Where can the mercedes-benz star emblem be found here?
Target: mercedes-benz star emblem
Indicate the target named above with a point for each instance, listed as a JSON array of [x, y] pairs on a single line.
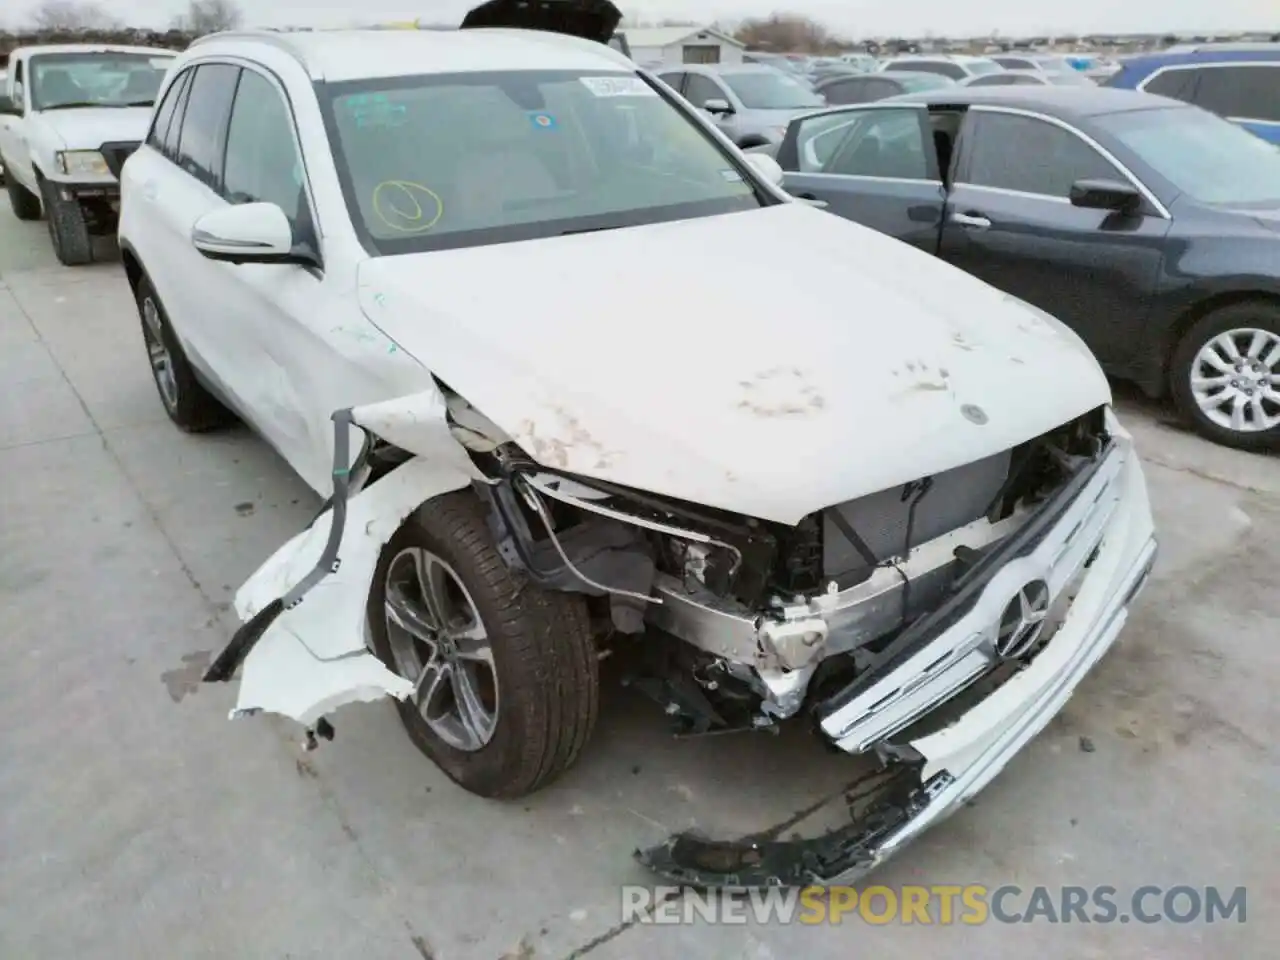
[[1023, 620]]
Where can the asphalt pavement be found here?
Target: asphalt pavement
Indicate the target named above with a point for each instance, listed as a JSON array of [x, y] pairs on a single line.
[[137, 821]]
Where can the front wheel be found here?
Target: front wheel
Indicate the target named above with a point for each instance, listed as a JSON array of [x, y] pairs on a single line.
[[68, 229], [1225, 376], [506, 683], [25, 204]]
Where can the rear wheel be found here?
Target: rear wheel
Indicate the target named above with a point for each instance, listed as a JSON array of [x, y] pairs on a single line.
[[186, 401], [25, 204], [505, 674], [1225, 376]]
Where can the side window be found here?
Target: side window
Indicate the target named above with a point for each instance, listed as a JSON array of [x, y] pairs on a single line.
[[817, 138], [1030, 156], [205, 121], [699, 89], [1176, 84], [672, 80], [263, 163], [164, 115], [19, 88], [174, 132], [1244, 92], [885, 143]]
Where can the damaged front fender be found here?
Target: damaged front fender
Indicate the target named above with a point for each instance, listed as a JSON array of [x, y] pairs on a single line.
[[304, 641]]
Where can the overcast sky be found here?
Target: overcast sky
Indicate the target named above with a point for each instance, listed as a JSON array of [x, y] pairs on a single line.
[[851, 17]]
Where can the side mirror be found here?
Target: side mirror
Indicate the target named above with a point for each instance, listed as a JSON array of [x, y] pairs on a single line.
[[1105, 195], [8, 108], [716, 105], [247, 233], [766, 166]]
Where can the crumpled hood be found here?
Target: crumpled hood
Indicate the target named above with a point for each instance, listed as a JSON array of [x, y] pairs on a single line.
[[88, 128], [771, 362]]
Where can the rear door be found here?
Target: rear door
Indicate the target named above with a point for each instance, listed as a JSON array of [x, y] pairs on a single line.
[[13, 130], [178, 180], [1010, 223], [875, 164]]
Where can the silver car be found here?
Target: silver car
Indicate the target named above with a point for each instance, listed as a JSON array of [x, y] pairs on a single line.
[[751, 103]]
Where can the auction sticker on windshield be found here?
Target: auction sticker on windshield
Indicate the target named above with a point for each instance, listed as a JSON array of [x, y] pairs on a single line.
[[618, 87]]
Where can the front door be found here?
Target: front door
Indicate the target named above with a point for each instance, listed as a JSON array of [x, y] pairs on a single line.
[[13, 135], [874, 164], [1009, 222]]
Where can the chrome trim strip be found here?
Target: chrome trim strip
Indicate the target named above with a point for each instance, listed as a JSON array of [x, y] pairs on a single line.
[[1106, 154], [1023, 194], [863, 176]]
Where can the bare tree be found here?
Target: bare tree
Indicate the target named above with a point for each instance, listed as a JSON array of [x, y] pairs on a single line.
[[786, 32], [209, 16], [73, 16]]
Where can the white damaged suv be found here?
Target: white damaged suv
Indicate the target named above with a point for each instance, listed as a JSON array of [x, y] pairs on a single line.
[[477, 287]]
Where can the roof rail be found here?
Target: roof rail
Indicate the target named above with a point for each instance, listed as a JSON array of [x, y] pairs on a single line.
[[273, 37]]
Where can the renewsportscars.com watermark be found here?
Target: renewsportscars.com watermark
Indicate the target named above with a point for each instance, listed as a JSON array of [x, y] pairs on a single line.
[[941, 904]]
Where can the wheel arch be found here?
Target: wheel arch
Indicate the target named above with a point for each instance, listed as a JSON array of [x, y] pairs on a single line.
[[1196, 312], [133, 270]]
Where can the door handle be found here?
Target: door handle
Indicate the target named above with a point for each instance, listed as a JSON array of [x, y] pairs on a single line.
[[811, 200], [972, 220]]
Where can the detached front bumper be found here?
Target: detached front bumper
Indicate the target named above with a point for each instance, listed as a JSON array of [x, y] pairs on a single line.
[[1097, 556]]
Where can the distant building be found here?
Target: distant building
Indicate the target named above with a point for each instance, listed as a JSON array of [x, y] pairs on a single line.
[[665, 46]]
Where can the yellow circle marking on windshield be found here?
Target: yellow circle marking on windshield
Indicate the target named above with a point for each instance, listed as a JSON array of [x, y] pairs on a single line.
[[408, 215]]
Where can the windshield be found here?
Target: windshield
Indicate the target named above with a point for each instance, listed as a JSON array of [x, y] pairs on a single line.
[[980, 68], [1202, 155], [923, 81], [99, 79], [454, 160], [771, 90]]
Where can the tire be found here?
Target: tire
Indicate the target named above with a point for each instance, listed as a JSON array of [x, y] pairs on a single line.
[[542, 655], [25, 204], [189, 405], [68, 230], [1251, 325]]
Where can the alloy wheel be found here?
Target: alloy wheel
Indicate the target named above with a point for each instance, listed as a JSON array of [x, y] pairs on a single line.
[[439, 641], [158, 354], [1235, 380]]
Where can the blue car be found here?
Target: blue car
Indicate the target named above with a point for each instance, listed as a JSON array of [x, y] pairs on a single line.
[[1241, 85]]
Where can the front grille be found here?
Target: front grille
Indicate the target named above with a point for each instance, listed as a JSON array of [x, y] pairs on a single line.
[[116, 153]]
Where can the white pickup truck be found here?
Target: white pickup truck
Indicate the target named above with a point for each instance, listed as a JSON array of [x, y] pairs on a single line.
[[70, 115]]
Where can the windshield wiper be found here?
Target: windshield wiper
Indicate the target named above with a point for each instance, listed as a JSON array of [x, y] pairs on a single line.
[[73, 105]]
